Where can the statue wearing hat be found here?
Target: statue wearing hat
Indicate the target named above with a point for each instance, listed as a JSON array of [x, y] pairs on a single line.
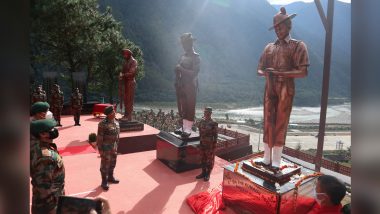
[[281, 62], [127, 84], [186, 84], [208, 132], [76, 105], [107, 141], [56, 103], [47, 170], [39, 95]]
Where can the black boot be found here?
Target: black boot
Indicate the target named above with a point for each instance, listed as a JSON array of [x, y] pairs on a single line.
[[178, 131], [202, 175], [104, 184], [207, 175], [112, 179]]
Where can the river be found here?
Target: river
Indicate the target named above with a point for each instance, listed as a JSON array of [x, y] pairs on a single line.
[[335, 113]]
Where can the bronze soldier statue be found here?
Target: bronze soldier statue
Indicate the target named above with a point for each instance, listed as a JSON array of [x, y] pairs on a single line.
[[47, 170], [127, 84], [186, 84], [56, 102], [76, 105], [208, 132], [280, 63], [107, 142], [39, 95]]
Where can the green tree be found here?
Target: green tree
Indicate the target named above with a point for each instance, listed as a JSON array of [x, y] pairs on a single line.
[[75, 36]]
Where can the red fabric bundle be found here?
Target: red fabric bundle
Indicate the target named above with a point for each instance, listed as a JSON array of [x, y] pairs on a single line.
[[209, 202]]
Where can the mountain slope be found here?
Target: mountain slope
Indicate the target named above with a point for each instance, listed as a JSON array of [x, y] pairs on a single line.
[[231, 35]]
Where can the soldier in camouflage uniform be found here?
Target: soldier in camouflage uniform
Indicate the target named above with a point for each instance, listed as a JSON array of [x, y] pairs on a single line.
[[47, 170], [208, 132], [56, 102], [107, 141], [76, 105], [38, 95]]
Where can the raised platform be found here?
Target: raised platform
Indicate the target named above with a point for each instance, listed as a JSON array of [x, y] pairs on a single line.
[[287, 170], [128, 126], [133, 141], [247, 193], [138, 141], [178, 154], [182, 154]]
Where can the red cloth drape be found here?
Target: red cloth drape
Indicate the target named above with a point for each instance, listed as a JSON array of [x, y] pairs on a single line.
[[209, 202]]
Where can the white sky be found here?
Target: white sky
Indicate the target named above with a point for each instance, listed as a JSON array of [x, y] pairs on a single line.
[[285, 2]]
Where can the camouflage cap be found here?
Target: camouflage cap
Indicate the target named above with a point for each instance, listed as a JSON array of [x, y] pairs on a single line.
[[45, 125], [108, 110], [39, 107], [208, 109]]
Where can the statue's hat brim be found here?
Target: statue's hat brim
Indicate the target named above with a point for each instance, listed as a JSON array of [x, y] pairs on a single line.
[[289, 17]]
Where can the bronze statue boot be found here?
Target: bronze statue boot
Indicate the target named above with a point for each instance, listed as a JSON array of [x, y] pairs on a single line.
[[111, 179], [104, 184], [59, 123], [202, 175]]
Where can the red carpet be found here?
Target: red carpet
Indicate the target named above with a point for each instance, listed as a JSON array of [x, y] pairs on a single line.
[[76, 150]]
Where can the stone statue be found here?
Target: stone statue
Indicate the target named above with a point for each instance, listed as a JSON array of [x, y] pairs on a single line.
[[186, 84], [280, 63], [76, 105], [56, 103], [127, 84], [39, 95]]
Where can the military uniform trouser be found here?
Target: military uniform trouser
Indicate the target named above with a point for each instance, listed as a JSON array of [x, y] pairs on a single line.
[[208, 157], [57, 114], [76, 114], [108, 161], [47, 204]]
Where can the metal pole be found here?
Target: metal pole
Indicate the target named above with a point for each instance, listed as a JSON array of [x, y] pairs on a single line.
[[325, 84]]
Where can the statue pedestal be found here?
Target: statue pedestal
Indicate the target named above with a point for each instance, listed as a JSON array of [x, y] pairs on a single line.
[[179, 154], [248, 193], [126, 126]]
